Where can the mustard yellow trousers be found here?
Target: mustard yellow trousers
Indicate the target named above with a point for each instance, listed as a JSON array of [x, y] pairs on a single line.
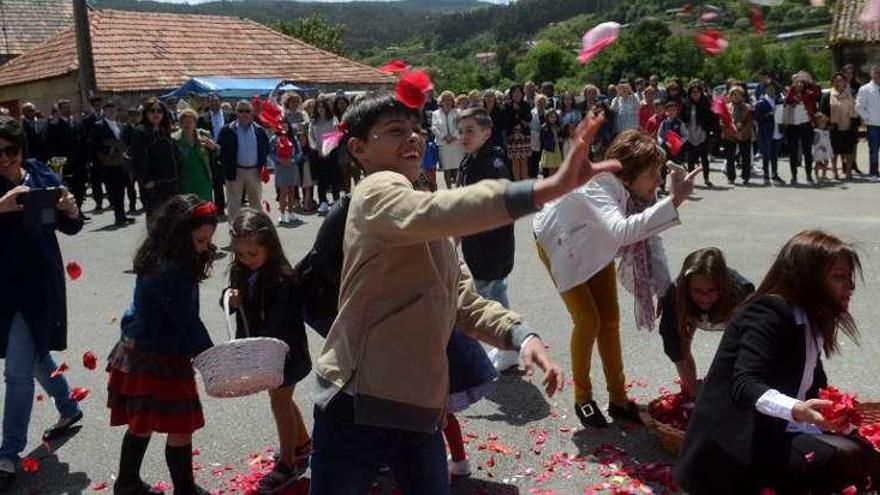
[[596, 317]]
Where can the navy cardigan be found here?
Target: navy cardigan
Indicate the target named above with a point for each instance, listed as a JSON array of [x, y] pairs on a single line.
[[31, 269], [164, 314]]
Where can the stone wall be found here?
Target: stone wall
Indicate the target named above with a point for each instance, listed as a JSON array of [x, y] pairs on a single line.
[[44, 93]]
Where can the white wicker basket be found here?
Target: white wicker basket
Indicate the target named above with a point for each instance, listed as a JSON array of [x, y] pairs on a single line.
[[241, 366]]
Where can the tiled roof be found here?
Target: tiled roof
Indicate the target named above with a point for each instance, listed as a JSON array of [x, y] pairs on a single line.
[[845, 27], [30, 22], [136, 51]]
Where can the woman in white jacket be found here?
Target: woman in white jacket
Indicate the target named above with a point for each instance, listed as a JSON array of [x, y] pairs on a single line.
[[444, 124], [578, 238]]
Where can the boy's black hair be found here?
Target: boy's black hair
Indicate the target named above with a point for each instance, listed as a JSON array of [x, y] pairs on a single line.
[[169, 239], [362, 115], [671, 103], [479, 115]]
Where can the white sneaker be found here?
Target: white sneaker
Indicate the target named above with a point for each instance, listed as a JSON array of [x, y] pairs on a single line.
[[324, 208], [460, 468], [282, 218], [503, 360]]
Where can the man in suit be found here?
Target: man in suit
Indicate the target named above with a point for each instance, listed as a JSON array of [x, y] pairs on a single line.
[[108, 153], [96, 176], [35, 133], [213, 121], [133, 120], [65, 139], [244, 148]]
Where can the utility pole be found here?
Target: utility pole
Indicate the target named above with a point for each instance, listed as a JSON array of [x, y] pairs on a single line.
[[86, 72]]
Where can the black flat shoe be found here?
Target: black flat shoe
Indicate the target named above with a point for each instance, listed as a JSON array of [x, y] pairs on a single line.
[[62, 429], [590, 415], [630, 412]]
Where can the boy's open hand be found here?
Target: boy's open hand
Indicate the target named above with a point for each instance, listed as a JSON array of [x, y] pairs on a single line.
[[576, 168], [535, 355]]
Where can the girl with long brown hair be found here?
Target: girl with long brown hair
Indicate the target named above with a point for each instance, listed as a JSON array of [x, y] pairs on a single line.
[[757, 423], [704, 295]]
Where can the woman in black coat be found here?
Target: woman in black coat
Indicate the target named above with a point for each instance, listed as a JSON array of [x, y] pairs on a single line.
[[757, 423], [33, 311], [155, 156], [696, 113]]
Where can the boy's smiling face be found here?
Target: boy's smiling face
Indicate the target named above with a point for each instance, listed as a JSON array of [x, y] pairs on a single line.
[[394, 143]]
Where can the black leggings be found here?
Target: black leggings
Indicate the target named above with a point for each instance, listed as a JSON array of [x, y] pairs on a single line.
[[800, 144], [328, 175], [699, 153]]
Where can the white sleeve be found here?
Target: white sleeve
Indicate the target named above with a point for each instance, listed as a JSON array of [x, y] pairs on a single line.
[[776, 404], [634, 228], [436, 128]]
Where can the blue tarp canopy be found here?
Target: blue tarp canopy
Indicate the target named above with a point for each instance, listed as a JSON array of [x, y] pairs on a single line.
[[229, 87]]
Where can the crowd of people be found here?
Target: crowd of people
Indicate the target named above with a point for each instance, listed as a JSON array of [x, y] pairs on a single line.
[[407, 304]]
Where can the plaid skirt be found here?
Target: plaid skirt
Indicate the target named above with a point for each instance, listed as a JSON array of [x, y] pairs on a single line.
[[519, 146], [152, 392]]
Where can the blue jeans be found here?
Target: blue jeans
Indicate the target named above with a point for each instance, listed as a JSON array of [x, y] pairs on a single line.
[[346, 457], [496, 290], [873, 148], [22, 366]]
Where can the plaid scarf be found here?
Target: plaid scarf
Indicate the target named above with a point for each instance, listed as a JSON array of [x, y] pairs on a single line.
[[635, 268]]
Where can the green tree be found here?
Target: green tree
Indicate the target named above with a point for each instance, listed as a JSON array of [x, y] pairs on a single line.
[[314, 30], [545, 62], [756, 58]]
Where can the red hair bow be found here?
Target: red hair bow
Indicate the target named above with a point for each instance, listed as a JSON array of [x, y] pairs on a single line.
[[205, 209]]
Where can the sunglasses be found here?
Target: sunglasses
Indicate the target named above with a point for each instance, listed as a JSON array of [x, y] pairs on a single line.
[[244, 111], [156, 110], [10, 151]]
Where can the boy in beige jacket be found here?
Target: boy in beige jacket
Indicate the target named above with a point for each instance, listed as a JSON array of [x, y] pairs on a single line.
[[382, 375]]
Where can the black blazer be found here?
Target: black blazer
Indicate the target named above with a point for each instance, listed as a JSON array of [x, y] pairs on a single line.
[[104, 147], [228, 142], [763, 348], [68, 140], [205, 122], [35, 133]]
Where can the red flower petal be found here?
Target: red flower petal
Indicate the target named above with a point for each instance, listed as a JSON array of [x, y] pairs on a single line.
[[850, 490], [79, 393], [264, 175], [810, 457], [73, 270], [99, 486], [413, 87], [755, 17], [395, 66], [196, 451], [674, 142], [597, 39], [39, 397], [90, 360], [59, 371], [30, 465], [711, 41], [162, 486], [267, 207]]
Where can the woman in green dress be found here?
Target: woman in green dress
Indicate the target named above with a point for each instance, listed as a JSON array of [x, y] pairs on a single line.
[[197, 148]]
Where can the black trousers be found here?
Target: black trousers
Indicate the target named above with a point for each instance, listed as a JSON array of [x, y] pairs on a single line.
[[800, 145], [743, 149], [129, 184], [114, 179], [534, 163], [814, 464], [76, 179], [219, 183], [96, 181], [698, 153], [328, 174]]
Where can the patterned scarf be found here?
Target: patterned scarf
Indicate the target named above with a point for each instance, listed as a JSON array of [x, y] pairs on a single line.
[[635, 270]]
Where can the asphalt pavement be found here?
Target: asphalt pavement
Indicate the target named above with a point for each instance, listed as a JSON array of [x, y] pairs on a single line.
[[519, 441]]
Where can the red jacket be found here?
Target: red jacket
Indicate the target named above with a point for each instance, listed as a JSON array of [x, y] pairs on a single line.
[[653, 124], [810, 97], [646, 111]]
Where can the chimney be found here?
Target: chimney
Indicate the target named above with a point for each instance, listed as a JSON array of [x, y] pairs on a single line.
[[86, 72]]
